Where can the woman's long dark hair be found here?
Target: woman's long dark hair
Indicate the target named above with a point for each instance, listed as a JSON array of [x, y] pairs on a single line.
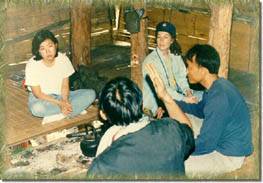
[[175, 48]]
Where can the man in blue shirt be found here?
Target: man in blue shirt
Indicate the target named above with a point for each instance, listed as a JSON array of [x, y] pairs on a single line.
[[225, 132]]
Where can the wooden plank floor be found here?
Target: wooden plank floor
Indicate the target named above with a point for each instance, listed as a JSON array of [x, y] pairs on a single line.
[[21, 126]]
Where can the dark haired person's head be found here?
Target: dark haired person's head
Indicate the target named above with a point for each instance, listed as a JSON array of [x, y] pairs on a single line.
[[120, 102], [167, 31], [40, 37], [205, 56]]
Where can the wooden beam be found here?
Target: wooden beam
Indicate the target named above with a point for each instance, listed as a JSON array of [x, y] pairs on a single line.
[[139, 48], [219, 33], [51, 27], [81, 32]]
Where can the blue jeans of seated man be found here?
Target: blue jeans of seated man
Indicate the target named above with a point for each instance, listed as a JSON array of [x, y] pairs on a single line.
[[79, 99]]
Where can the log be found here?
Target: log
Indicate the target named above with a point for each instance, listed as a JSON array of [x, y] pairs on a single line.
[[139, 48], [219, 33], [81, 32]]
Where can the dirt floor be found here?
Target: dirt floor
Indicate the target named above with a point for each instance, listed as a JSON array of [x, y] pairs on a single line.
[[63, 158]]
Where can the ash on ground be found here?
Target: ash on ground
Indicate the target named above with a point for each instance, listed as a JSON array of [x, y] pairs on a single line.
[[59, 157]]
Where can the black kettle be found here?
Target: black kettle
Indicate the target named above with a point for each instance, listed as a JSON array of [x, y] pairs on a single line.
[[89, 145]]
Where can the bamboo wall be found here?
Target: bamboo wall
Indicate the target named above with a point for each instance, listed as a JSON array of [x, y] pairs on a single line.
[[193, 27], [23, 22]]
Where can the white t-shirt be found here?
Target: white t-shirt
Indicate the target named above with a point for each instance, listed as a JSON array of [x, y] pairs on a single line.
[[48, 78]]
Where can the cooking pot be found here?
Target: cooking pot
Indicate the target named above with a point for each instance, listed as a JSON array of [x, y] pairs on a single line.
[[90, 143]]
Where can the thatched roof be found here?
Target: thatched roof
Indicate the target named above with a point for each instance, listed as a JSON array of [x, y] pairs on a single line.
[[247, 10], [242, 9]]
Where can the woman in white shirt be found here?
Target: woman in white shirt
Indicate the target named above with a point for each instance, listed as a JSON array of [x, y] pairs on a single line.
[[47, 77]]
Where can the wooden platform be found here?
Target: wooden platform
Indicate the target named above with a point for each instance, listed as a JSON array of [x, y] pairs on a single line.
[[21, 126]]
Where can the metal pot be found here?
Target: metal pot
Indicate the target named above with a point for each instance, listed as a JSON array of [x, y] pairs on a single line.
[[89, 145]]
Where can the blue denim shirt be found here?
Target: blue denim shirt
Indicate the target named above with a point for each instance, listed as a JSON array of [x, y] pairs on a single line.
[[179, 71], [226, 127]]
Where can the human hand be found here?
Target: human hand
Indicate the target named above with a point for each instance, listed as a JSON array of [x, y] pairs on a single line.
[[157, 81], [188, 93], [191, 100], [66, 107], [159, 113]]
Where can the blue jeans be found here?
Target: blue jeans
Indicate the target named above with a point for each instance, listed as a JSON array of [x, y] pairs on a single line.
[[79, 99]]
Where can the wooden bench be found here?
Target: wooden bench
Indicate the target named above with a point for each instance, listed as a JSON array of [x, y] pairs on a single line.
[[20, 125]]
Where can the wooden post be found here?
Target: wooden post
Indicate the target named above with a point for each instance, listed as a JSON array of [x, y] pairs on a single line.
[[139, 47], [81, 32], [219, 33]]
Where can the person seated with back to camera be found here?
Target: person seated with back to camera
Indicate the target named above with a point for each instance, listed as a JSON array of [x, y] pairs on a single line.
[[47, 77], [134, 145]]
